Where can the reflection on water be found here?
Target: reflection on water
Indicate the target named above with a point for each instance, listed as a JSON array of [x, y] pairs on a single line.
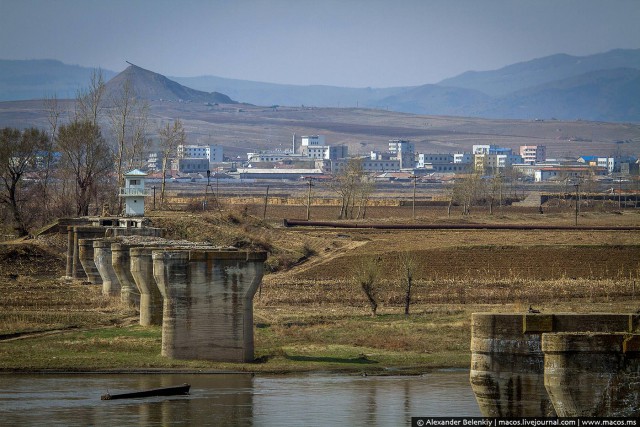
[[235, 399]]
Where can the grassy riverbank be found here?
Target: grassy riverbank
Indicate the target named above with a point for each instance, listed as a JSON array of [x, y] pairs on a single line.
[[309, 315]]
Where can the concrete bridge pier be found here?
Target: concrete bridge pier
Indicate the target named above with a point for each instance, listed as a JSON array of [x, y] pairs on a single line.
[[121, 264], [74, 268], [507, 361], [593, 374], [102, 259], [141, 265], [85, 250], [208, 302]]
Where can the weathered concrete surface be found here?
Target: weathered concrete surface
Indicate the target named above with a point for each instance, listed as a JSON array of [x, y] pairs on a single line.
[[507, 362], [141, 264], [98, 227], [146, 231], [593, 374], [74, 265], [103, 262], [121, 264], [208, 302], [85, 251]]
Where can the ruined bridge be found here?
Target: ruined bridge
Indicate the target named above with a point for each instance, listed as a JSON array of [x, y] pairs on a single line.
[[522, 364]]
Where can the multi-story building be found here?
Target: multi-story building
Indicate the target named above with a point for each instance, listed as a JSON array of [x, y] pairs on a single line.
[[312, 140], [154, 161], [213, 153], [491, 163], [404, 152], [190, 164], [466, 158], [532, 154], [368, 165], [424, 159]]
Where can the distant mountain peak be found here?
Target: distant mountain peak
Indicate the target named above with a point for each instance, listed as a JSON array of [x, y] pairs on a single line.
[[150, 85]]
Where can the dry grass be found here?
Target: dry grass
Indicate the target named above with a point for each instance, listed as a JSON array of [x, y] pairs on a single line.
[[309, 314]]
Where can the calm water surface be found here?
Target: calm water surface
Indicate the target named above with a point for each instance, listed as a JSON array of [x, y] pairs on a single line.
[[235, 400]]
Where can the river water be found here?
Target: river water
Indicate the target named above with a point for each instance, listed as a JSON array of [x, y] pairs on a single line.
[[235, 399]]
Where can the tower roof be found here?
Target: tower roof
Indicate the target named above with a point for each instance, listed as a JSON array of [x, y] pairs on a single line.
[[135, 172]]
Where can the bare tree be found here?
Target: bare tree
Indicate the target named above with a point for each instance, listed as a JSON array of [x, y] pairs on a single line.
[[349, 184], [170, 137], [408, 265], [87, 156], [493, 191], [366, 275], [128, 119], [89, 102], [18, 154]]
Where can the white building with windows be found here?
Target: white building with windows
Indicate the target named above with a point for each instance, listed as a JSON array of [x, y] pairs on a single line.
[[213, 153], [312, 140], [532, 154]]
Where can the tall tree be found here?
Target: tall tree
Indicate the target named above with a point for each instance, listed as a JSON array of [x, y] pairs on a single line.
[[90, 101], [87, 156], [351, 184], [170, 137], [18, 154], [128, 119]]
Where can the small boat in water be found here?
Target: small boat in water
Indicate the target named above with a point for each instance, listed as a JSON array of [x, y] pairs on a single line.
[[164, 391]]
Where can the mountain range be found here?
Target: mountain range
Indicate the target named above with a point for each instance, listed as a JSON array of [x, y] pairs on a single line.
[[600, 87]]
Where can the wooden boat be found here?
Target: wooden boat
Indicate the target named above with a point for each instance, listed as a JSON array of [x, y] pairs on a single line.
[[164, 391]]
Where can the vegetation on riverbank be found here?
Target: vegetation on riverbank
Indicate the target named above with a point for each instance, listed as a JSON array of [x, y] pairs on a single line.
[[309, 315]]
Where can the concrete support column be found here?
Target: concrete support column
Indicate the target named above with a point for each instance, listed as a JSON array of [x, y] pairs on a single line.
[[208, 302], [593, 374], [121, 264], [85, 250], [507, 368], [103, 262], [79, 233], [150, 297], [507, 362], [70, 246]]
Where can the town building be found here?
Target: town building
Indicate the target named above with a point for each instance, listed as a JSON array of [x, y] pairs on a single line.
[[532, 154], [404, 152], [559, 173], [213, 153]]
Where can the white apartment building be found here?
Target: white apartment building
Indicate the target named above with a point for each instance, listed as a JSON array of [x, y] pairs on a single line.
[[465, 158], [404, 152], [312, 140], [213, 153], [424, 159], [368, 165], [532, 154]]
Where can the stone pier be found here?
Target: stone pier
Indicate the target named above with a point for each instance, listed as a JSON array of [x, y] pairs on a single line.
[[507, 362], [102, 258], [141, 265], [85, 251], [593, 374], [74, 235], [208, 302], [121, 264]]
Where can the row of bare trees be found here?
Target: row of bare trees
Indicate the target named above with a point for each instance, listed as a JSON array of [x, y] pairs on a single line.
[[71, 168], [367, 273]]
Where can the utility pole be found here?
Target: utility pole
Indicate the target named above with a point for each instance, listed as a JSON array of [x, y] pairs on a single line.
[[413, 211], [577, 185], [309, 198], [266, 200]]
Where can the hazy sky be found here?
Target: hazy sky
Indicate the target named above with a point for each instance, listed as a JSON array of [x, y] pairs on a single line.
[[357, 43]]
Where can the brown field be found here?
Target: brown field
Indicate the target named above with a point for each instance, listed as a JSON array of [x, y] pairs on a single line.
[[240, 129], [309, 314]]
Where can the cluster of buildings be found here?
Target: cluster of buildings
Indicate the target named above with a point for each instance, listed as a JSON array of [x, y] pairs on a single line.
[[312, 156]]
